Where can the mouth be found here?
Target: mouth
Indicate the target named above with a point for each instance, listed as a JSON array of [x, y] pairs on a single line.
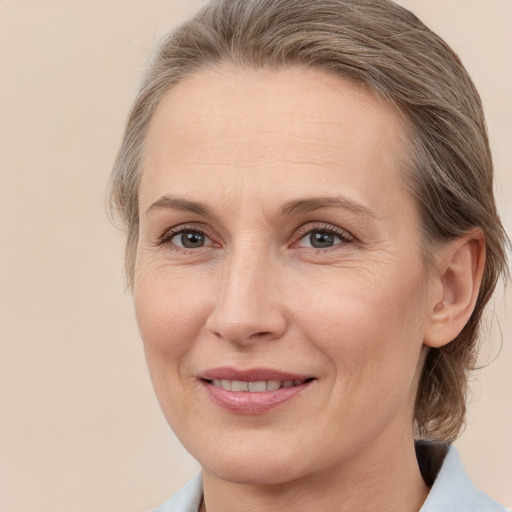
[[257, 386], [252, 392]]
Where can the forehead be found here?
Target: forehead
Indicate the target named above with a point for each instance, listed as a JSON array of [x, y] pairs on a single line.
[[265, 126]]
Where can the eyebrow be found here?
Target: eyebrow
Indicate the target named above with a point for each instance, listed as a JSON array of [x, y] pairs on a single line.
[[178, 203], [317, 203], [298, 206]]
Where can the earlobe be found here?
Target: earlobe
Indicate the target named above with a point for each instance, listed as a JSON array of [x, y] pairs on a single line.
[[460, 272]]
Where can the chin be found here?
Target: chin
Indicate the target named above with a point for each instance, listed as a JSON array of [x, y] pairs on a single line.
[[257, 473], [258, 464]]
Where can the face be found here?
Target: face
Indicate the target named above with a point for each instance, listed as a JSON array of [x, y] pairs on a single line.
[[280, 288]]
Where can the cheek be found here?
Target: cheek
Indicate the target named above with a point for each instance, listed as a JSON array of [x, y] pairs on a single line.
[[168, 317], [372, 333], [170, 313]]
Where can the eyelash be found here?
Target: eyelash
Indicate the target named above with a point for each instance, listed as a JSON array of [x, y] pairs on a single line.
[[169, 234], [308, 229], [300, 234]]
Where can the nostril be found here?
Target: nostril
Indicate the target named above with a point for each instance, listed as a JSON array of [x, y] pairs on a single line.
[[261, 334]]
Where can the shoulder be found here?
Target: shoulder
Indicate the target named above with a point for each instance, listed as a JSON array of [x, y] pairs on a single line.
[[187, 499], [453, 490]]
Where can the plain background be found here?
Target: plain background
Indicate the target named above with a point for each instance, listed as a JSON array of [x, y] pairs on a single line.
[[80, 429]]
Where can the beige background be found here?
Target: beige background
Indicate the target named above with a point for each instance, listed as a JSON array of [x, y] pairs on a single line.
[[80, 430]]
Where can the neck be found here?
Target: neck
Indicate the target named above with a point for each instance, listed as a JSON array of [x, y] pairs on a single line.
[[389, 482]]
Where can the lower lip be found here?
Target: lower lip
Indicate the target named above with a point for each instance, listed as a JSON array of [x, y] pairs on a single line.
[[250, 403]]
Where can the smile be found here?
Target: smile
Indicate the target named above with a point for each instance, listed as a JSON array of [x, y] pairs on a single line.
[[255, 386], [253, 392]]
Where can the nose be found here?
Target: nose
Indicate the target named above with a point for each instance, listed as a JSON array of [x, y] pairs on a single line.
[[249, 307]]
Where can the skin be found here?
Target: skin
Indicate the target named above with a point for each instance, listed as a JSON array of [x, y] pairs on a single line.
[[245, 145]]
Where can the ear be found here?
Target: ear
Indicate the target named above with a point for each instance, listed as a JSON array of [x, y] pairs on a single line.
[[457, 282]]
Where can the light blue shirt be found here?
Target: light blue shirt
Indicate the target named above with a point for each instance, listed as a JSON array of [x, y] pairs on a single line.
[[452, 491]]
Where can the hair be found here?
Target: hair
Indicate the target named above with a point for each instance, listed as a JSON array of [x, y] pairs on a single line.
[[385, 47]]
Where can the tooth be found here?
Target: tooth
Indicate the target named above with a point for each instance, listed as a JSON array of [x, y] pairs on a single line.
[[272, 385], [297, 382], [260, 385], [238, 385], [226, 384], [217, 382], [287, 384]]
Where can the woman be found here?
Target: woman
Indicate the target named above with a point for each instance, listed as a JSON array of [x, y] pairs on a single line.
[[312, 239]]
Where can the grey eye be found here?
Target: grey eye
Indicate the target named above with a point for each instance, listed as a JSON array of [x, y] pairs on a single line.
[[189, 239], [323, 239]]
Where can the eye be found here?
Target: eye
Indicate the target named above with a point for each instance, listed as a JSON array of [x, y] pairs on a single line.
[[320, 240], [324, 238], [187, 238]]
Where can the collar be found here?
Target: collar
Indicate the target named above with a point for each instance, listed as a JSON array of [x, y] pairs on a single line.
[[452, 490]]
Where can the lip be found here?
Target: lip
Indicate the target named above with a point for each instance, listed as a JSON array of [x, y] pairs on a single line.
[[250, 375], [252, 403]]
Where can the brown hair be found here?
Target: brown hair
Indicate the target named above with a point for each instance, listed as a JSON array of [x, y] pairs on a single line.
[[385, 47]]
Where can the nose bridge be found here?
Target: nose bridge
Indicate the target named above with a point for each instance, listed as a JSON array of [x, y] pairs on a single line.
[[247, 305]]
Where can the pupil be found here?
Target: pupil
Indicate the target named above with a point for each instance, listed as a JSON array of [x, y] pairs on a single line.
[[321, 239], [191, 239]]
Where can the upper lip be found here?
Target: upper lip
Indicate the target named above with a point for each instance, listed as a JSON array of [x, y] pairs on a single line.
[[250, 375]]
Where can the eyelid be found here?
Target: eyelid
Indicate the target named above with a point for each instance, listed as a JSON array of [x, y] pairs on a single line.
[[170, 233], [306, 229]]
